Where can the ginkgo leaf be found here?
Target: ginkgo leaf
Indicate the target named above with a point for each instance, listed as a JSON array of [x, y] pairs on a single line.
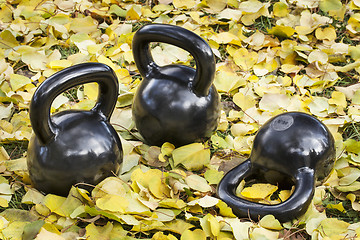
[[205, 202], [245, 59], [244, 102], [197, 234], [198, 183], [332, 226], [113, 203], [327, 5], [328, 33], [193, 156], [259, 191], [280, 9], [18, 81], [270, 222], [281, 31]]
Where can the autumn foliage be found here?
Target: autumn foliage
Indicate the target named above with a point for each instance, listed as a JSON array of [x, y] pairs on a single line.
[[272, 57]]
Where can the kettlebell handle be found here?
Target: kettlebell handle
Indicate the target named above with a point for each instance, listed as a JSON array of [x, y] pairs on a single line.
[[180, 37], [40, 105], [293, 207]]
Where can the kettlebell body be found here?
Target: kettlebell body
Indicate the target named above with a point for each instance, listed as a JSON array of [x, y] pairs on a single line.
[[73, 146], [295, 145], [174, 103]]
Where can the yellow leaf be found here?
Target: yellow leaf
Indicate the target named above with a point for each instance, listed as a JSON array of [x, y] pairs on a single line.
[[338, 99], [14, 230], [245, 59], [318, 56], [32, 196], [280, 9], [356, 97], [270, 222], [348, 67], [123, 75], [45, 235], [198, 183], [110, 185], [18, 81], [284, 195], [197, 234], [3, 202], [338, 206], [152, 179], [132, 14], [162, 236], [332, 226], [244, 102], [214, 225], [251, 6], [94, 232], [63, 63], [192, 156], [187, 4], [213, 176], [281, 31], [355, 204], [167, 148], [226, 81], [7, 40], [83, 25], [172, 203], [216, 5], [113, 203], [225, 210], [204, 202], [16, 164], [327, 33], [226, 37], [354, 52], [259, 191], [53, 202], [327, 5], [91, 90]]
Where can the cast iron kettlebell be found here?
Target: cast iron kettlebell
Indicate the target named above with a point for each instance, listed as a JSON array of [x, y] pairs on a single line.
[[73, 146], [174, 103], [295, 145]]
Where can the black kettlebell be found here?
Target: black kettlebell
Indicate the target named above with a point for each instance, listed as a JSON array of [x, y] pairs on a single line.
[[73, 146], [293, 145], [174, 103]]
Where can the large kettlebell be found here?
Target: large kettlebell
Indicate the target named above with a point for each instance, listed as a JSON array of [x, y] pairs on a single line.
[[73, 146], [295, 145], [174, 103]]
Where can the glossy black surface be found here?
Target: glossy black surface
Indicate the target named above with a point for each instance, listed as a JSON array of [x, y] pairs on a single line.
[[174, 103], [295, 145], [73, 146]]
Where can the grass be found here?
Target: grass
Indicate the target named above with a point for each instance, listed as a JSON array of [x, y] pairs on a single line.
[[15, 149], [349, 215]]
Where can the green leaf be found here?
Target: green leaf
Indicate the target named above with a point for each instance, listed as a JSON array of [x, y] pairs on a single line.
[[32, 229], [327, 5]]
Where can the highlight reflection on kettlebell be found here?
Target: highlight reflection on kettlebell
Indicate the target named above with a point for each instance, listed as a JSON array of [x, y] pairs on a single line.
[[174, 103], [73, 146], [294, 144]]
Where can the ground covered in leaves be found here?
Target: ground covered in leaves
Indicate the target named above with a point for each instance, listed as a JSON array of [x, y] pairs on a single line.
[[272, 57]]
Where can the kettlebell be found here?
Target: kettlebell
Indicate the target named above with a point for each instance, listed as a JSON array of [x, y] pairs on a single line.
[[291, 146], [73, 146], [174, 103]]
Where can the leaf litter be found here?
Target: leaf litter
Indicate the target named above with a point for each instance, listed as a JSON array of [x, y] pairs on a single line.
[[272, 57]]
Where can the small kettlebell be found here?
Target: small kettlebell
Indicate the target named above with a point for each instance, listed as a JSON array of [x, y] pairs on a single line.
[[295, 145], [73, 146], [174, 103]]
